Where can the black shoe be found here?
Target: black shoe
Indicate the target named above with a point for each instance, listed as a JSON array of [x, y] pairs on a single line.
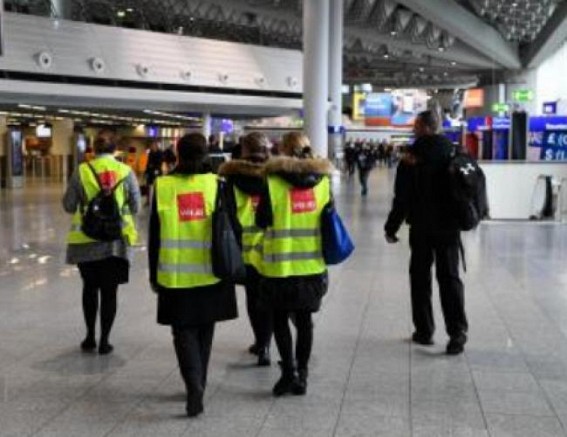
[[423, 340], [254, 349], [300, 387], [456, 345], [286, 383], [88, 344], [194, 406], [264, 357], [105, 349]]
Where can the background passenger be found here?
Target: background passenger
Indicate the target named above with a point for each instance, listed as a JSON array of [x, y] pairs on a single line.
[[422, 198], [103, 265], [190, 298]]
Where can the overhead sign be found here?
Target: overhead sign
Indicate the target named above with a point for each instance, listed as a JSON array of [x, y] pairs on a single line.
[[523, 95], [474, 98], [500, 107], [550, 108]]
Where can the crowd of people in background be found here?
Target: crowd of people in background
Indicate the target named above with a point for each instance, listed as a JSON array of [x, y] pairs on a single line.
[[364, 155]]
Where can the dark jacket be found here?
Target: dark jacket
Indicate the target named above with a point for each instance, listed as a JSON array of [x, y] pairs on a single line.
[[421, 193], [297, 292], [187, 306]]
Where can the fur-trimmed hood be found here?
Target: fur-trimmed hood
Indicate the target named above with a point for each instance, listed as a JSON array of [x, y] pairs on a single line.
[[240, 167], [247, 176], [304, 173]]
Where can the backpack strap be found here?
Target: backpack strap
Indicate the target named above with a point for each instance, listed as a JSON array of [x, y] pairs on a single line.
[[462, 253], [97, 177]]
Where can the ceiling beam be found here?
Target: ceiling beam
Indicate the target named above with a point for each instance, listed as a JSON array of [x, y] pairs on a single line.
[[459, 52], [552, 36], [469, 28]]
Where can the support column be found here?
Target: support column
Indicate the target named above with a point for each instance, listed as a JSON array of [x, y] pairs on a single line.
[[62, 9], [336, 29], [316, 16], [207, 125], [60, 154]]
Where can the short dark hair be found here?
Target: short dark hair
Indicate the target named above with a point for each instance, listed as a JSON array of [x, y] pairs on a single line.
[[430, 120], [105, 142], [192, 151]]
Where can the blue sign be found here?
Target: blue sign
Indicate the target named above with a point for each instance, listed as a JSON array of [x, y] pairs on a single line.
[[550, 108], [554, 146], [538, 126], [501, 123], [378, 105]]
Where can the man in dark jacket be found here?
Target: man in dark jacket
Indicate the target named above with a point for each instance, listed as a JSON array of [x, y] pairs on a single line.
[[422, 198]]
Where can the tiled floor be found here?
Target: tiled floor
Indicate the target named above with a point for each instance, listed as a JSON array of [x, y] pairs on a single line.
[[367, 379]]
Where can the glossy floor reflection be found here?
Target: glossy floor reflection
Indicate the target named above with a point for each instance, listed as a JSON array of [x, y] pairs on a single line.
[[366, 378]]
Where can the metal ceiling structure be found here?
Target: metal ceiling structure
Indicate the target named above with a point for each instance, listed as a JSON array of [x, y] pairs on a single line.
[[389, 43]]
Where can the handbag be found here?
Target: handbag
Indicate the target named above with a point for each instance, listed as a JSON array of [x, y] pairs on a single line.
[[337, 244], [226, 253]]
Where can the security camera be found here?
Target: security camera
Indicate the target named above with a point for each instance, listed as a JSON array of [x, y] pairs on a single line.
[[44, 60], [143, 70], [186, 75], [291, 82], [261, 80], [97, 65], [223, 77]]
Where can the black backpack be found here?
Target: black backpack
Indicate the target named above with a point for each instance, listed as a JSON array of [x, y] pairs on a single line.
[[102, 220], [467, 185]]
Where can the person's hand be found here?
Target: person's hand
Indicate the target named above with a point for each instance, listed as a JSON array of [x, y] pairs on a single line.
[[392, 239]]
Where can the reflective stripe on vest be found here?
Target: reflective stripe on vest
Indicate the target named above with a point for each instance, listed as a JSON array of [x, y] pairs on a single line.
[[111, 171], [185, 205], [252, 236], [292, 246]]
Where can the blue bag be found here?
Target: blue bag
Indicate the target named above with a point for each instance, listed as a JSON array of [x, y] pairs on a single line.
[[337, 245]]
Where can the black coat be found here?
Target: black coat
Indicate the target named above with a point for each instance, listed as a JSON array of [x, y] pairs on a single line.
[[294, 293], [188, 306], [422, 196]]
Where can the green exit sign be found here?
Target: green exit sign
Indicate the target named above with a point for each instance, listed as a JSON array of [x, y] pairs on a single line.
[[500, 107], [523, 95]]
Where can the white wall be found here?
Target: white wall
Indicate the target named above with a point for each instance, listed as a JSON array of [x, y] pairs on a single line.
[[552, 78], [511, 186]]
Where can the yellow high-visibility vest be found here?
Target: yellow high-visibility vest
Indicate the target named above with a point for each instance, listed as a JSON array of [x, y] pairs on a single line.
[[110, 172], [292, 245], [185, 205], [252, 236]]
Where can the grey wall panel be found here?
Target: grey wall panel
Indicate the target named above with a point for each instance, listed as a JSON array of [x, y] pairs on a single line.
[[167, 57]]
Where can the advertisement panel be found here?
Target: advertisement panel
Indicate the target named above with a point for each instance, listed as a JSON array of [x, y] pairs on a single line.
[[378, 109]]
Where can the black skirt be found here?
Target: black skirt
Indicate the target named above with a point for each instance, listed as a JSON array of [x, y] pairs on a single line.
[[108, 272], [299, 293], [197, 306]]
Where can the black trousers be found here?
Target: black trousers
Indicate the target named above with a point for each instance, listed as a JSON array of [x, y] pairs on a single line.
[[102, 278], [444, 250], [193, 349], [363, 178], [260, 317], [304, 324]]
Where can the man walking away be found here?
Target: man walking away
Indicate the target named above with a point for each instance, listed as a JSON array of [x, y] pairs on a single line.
[[423, 199]]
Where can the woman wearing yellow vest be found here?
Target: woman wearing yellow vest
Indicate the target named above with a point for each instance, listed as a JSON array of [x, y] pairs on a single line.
[[245, 184], [190, 298], [295, 274], [103, 265]]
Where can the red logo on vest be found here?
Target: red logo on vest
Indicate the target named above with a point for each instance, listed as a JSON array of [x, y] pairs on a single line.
[[191, 207], [107, 179], [303, 200], [255, 200]]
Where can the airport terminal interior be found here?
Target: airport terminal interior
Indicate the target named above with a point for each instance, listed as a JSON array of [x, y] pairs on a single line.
[[355, 77]]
